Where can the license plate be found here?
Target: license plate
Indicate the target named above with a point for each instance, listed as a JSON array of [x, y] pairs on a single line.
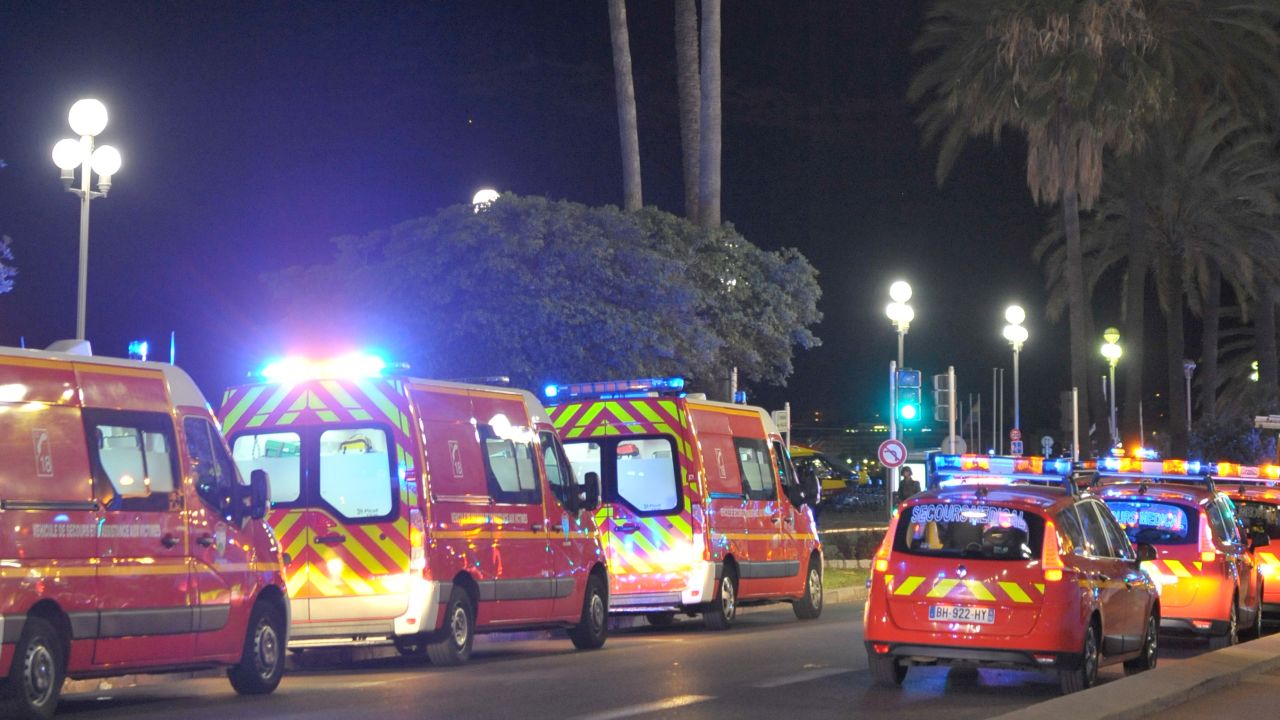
[[962, 613]]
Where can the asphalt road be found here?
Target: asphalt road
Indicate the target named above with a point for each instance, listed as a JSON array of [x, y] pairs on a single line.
[[768, 666]]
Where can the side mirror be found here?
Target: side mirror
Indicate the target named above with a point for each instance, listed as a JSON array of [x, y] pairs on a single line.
[[259, 494], [1146, 552], [591, 491], [1259, 539], [796, 495]]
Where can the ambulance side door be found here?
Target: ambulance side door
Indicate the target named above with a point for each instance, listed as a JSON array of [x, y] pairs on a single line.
[[570, 545], [790, 543]]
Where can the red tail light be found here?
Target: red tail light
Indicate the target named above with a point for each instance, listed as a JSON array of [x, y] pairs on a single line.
[[880, 648], [1208, 553], [1050, 557]]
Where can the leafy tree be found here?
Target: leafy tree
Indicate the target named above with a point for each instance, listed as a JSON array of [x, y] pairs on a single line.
[[1232, 438], [7, 271], [542, 290]]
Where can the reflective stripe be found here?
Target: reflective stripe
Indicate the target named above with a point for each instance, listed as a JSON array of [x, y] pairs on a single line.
[[979, 590], [909, 586], [1014, 592], [1177, 568], [941, 588]]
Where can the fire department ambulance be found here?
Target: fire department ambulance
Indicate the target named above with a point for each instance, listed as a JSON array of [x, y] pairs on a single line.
[[703, 510], [127, 541], [416, 511], [1256, 496]]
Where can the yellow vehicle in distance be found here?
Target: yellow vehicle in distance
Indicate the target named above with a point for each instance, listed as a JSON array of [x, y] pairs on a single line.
[[833, 475]]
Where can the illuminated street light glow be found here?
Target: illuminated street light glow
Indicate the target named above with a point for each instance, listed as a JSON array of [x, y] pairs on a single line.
[[900, 291]]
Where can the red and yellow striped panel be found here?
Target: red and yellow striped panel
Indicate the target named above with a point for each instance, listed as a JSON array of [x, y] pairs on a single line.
[[922, 587]]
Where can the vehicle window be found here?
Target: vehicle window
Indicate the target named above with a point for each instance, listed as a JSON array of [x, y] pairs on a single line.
[[1216, 522], [1095, 533], [214, 472], [640, 472], [756, 469], [1259, 517], [559, 476], [357, 472], [279, 454], [1121, 546], [981, 531], [1155, 523], [510, 467], [788, 478], [1232, 534], [134, 461], [1070, 534]]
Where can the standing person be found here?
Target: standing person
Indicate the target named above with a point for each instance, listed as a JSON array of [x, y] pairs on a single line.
[[908, 485]]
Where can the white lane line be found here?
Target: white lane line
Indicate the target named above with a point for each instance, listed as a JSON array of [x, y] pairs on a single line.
[[669, 704], [805, 676]]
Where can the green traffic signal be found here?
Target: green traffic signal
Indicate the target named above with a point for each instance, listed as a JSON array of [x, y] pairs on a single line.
[[908, 404]]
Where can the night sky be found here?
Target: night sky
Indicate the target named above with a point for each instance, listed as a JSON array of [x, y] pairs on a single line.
[[252, 133]]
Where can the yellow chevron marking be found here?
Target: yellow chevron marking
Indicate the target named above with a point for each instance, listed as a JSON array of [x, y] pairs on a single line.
[[979, 590], [1199, 566], [1040, 587], [1177, 568], [909, 585], [942, 587], [888, 582], [1014, 591]]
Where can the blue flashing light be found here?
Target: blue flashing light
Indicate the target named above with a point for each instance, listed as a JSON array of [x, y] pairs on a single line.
[[637, 387], [139, 349], [349, 366], [1109, 463], [1193, 467]]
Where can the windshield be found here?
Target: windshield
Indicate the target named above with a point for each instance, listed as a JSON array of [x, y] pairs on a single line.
[[639, 472], [1155, 523], [955, 530], [1259, 517]]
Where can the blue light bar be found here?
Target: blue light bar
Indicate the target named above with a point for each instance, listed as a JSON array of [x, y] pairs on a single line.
[[637, 387], [349, 366]]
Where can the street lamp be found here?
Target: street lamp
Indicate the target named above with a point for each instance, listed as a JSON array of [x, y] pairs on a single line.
[[1188, 369], [899, 312], [1016, 335], [482, 199], [87, 118], [1111, 351]]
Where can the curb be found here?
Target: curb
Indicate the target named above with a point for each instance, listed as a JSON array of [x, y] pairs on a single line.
[[1143, 695]]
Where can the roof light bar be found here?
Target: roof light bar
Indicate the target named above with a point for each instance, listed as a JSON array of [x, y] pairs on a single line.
[[637, 387], [953, 470], [298, 369]]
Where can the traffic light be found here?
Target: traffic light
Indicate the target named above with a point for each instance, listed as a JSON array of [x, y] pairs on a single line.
[[941, 398], [908, 392]]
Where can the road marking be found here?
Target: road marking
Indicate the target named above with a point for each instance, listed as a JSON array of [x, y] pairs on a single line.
[[669, 704], [805, 676]]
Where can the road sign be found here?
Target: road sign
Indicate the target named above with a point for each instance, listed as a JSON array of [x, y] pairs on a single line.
[[1015, 447], [954, 445], [1015, 435], [782, 418], [892, 453], [1046, 444]]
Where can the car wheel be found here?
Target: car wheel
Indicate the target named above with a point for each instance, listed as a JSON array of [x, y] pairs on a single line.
[[454, 645], [1086, 675], [262, 661], [1255, 629], [1150, 647], [1232, 635], [660, 619], [809, 607], [721, 611], [34, 684], [886, 670], [413, 646], [593, 628]]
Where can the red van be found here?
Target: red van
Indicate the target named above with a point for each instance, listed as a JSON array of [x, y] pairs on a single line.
[[160, 561], [703, 510], [416, 511]]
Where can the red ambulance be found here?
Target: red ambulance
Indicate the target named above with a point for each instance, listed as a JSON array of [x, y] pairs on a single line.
[[1254, 492], [703, 510], [419, 512], [128, 542]]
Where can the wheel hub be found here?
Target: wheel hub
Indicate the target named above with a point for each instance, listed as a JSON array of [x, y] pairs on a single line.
[[39, 675]]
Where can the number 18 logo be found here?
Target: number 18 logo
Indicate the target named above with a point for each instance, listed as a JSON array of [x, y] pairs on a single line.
[[44, 453]]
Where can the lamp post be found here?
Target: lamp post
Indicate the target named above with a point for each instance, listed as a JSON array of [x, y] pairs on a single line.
[[483, 198], [1016, 335], [1111, 351], [87, 119], [900, 313], [1188, 369]]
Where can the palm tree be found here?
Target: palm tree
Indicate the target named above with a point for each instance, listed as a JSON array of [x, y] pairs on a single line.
[[1073, 78], [709, 125], [624, 89], [687, 86]]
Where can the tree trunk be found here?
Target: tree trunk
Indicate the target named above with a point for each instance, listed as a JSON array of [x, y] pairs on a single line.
[[1175, 351], [625, 91], [687, 85], [1208, 370], [1265, 341], [709, 132], [1135, 307], [1078, 306]]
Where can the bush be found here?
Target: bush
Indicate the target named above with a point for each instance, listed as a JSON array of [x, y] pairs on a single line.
[[844, 542]]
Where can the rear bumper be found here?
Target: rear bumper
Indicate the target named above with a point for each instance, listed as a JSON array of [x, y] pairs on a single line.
[[700, 587], [1184, 626], [944, 654]]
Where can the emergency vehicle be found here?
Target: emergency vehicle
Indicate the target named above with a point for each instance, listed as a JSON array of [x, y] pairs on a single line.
[[833, 476], [1005, 563], [416, 511], [703, 510], [1210, 582], [128, 543], [1255, 493]]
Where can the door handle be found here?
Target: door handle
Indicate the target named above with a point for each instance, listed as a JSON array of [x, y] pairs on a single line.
[[1104, 578], [206, 540], [169, 540], [536, 527], [626, 528], [333, 539], [775, 519]]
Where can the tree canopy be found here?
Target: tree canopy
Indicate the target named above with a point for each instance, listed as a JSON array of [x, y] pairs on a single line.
[[542, 290], [7, 270]]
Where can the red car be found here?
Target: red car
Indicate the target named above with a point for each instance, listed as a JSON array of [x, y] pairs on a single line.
[[1005, 564]]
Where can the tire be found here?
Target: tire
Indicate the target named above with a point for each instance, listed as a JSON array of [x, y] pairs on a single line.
[[454, 646], [809, 607], [886, 670], [34, 684], [262, 661], [1255, 629], [593, 628], [723, 609], [661, 619], [411, 646], [1232, 635], [1085, 676], [1150, 649]]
